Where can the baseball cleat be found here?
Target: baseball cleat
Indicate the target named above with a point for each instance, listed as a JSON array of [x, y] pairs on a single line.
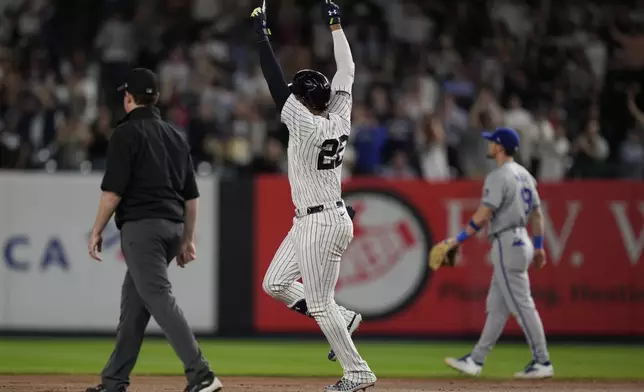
[[345, 385], [465, 365], [209, 384], [101, 388], [536, 371], [352, 327]]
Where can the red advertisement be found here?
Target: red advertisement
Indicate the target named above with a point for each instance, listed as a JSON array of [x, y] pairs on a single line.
[[593, 283]]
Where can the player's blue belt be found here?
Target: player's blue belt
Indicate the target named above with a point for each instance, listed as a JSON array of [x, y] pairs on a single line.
[[315, 209], [513, 229]]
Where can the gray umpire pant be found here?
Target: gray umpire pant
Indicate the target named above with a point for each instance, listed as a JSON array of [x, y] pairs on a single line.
[[510, 293], [148, 247]]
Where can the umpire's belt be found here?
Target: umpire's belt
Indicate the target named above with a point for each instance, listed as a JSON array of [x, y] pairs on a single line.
[[300, 212]]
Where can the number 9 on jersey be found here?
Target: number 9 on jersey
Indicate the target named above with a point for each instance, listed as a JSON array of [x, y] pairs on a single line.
[[526, 195]]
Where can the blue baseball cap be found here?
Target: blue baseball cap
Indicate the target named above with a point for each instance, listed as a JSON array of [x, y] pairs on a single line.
[[508, 138]]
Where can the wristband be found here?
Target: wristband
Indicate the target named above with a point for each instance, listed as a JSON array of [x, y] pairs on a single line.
[[462, 236], [263, 32], [474, 226], [537, 240]]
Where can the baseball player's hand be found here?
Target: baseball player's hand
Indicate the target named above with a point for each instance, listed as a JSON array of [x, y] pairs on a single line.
[[443, 254], [351, 212], [539, 258], [95, 246], [259, 23], [187, 253], [451, 242], [331, 13]]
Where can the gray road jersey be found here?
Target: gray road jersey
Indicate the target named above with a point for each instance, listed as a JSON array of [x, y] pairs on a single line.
[[511, 192]]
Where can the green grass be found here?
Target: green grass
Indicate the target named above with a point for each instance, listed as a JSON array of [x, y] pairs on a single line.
[[308, 358]]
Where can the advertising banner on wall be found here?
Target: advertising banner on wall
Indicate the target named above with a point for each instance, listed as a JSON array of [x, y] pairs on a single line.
[[593, 284], [48, 282]]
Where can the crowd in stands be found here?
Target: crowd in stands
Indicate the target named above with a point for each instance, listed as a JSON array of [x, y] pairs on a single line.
[[430, 77]]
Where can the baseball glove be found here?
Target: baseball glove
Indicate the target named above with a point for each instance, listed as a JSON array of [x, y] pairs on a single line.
[[441, 254]]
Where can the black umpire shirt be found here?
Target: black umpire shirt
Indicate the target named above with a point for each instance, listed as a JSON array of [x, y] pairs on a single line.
[[149, 166]]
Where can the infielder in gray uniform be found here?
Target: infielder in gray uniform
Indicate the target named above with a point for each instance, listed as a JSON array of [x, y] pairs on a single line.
[[510, 201]]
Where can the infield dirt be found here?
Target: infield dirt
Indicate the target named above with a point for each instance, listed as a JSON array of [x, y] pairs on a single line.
[[42, 383]]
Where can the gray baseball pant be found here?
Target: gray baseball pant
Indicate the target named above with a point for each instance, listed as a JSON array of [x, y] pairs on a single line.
[[509, 293], [148, 247]]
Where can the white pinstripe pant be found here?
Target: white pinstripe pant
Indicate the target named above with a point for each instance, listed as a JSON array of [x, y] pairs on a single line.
[[312, 250]]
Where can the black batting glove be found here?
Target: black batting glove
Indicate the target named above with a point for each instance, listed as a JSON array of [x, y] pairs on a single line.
[[351, 212], [332, 13], [259, 23]]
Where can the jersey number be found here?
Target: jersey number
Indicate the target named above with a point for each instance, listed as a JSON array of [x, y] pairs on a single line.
[[332, 153], [526, 195]]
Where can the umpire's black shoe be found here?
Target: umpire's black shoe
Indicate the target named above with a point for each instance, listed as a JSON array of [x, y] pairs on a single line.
[[210, 383], [101, 388]]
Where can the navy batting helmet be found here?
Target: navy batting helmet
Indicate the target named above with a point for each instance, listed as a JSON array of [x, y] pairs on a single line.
[[313, 88]]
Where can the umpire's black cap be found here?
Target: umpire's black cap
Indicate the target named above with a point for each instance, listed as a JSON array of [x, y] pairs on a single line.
[[140, 81]]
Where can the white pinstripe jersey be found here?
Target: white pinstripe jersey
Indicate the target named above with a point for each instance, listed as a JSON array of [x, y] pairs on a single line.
[[316, 149]]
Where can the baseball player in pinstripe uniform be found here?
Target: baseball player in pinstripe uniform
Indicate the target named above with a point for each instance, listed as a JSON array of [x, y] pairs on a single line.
[[317, 114], [510, 201]]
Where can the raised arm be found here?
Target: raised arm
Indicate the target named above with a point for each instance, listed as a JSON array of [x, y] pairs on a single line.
[[268, 62], [342, 83], [346, 69]]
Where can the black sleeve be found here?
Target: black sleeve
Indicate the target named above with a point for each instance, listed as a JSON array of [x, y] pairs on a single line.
[[120, 155], [190, 189], [273, 74]]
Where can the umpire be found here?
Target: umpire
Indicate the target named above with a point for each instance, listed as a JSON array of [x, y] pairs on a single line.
[[150, 183]]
